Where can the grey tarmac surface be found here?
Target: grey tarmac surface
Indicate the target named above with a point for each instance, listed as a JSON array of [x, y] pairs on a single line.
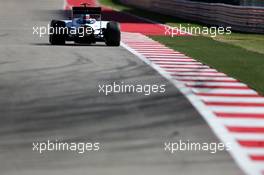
[[51, 92]]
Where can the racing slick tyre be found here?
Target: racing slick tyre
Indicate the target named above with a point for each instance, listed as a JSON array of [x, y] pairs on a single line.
[[112, 34], [57, 34]]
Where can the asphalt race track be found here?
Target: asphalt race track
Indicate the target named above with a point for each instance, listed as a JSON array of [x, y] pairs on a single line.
[[51, 92]]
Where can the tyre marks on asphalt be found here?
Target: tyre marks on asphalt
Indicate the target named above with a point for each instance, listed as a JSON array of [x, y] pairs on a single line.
[[234, 111]]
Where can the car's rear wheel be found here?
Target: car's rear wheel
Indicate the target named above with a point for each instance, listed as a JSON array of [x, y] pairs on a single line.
[[57, 32], [112, 34]]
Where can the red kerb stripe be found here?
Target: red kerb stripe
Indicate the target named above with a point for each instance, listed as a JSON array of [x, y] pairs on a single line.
[[245, 129], [239, 115], [252, 143]]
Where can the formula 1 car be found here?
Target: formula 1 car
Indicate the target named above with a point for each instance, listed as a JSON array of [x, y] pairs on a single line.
[[85, 26]]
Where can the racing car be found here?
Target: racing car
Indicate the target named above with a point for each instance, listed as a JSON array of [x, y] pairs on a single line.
[[85, 26]]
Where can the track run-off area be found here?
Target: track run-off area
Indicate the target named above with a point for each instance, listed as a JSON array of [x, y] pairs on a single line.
[[234, 111]]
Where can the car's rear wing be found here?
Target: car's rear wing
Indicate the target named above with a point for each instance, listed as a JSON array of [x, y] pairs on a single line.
[[87, 10]]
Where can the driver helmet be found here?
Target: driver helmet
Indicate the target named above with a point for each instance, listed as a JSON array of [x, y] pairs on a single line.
[[86, 17]]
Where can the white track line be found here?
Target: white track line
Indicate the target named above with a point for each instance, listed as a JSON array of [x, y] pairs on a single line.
[[242, 122], [246, 136], [232, 109]]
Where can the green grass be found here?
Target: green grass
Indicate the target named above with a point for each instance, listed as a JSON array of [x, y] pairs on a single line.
[[239, 55], [252, 42]]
